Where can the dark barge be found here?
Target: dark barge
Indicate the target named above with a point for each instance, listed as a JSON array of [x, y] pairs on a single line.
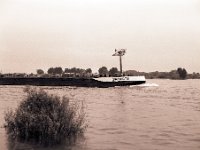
[[78, 82]]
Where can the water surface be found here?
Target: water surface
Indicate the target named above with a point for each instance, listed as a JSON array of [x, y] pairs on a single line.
[[137, 117]]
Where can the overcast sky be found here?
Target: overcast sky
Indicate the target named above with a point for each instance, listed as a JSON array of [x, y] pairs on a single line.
[[158, 34]]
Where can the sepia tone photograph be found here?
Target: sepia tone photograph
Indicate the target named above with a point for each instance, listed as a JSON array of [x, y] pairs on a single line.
[[99, 74]]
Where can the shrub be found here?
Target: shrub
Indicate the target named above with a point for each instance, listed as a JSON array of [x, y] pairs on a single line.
[[45, 119]]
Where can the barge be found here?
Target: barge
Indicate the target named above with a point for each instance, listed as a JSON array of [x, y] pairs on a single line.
[[102, 82]]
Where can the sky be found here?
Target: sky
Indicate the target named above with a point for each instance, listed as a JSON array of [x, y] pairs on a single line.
[[159, 35]]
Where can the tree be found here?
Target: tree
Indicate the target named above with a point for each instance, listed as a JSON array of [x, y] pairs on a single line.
[[113, 72], [50, 70], [40, 71], [74, 70], [89, 70], [67, 70], [182, 73], [103, 71], [58, 70]]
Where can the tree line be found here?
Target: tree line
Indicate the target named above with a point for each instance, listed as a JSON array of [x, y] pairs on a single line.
[[179, 73], [103, 71], [59, 70]]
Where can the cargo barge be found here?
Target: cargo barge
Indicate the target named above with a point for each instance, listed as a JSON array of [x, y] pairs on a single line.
[[78, 82], [102, 82]]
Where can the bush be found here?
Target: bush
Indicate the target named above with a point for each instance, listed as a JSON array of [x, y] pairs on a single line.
[[45, 119]]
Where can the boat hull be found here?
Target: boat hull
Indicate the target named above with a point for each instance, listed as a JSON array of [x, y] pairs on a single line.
[[78, 82], [121, 83]]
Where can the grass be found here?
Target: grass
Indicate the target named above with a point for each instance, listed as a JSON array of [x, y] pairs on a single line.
[[45, 119]]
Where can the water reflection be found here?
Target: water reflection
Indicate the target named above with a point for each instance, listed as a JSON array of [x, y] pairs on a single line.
[[70, 144]]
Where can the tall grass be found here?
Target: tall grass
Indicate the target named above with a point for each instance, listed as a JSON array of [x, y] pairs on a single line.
[[45, 119]]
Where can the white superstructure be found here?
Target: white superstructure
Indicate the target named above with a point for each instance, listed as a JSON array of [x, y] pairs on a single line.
[[121, 79]]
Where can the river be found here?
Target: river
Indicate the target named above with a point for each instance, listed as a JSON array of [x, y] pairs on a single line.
[[158, 115]]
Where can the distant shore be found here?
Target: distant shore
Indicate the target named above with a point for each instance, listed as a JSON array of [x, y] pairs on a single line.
[[58, 72], [174, 75]]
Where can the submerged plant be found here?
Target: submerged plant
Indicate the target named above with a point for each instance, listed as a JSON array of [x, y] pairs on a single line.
[[45, 119]]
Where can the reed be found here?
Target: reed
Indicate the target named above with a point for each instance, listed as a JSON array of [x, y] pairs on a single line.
[[45, 119]]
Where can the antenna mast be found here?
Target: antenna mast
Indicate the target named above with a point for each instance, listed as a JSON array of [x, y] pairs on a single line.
[[120, 53]]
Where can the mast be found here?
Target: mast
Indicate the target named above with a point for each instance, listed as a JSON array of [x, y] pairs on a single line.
[[120, 53], [120, 64]]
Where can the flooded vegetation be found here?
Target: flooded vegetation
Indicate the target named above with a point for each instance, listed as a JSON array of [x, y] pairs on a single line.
[[45, 119]]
